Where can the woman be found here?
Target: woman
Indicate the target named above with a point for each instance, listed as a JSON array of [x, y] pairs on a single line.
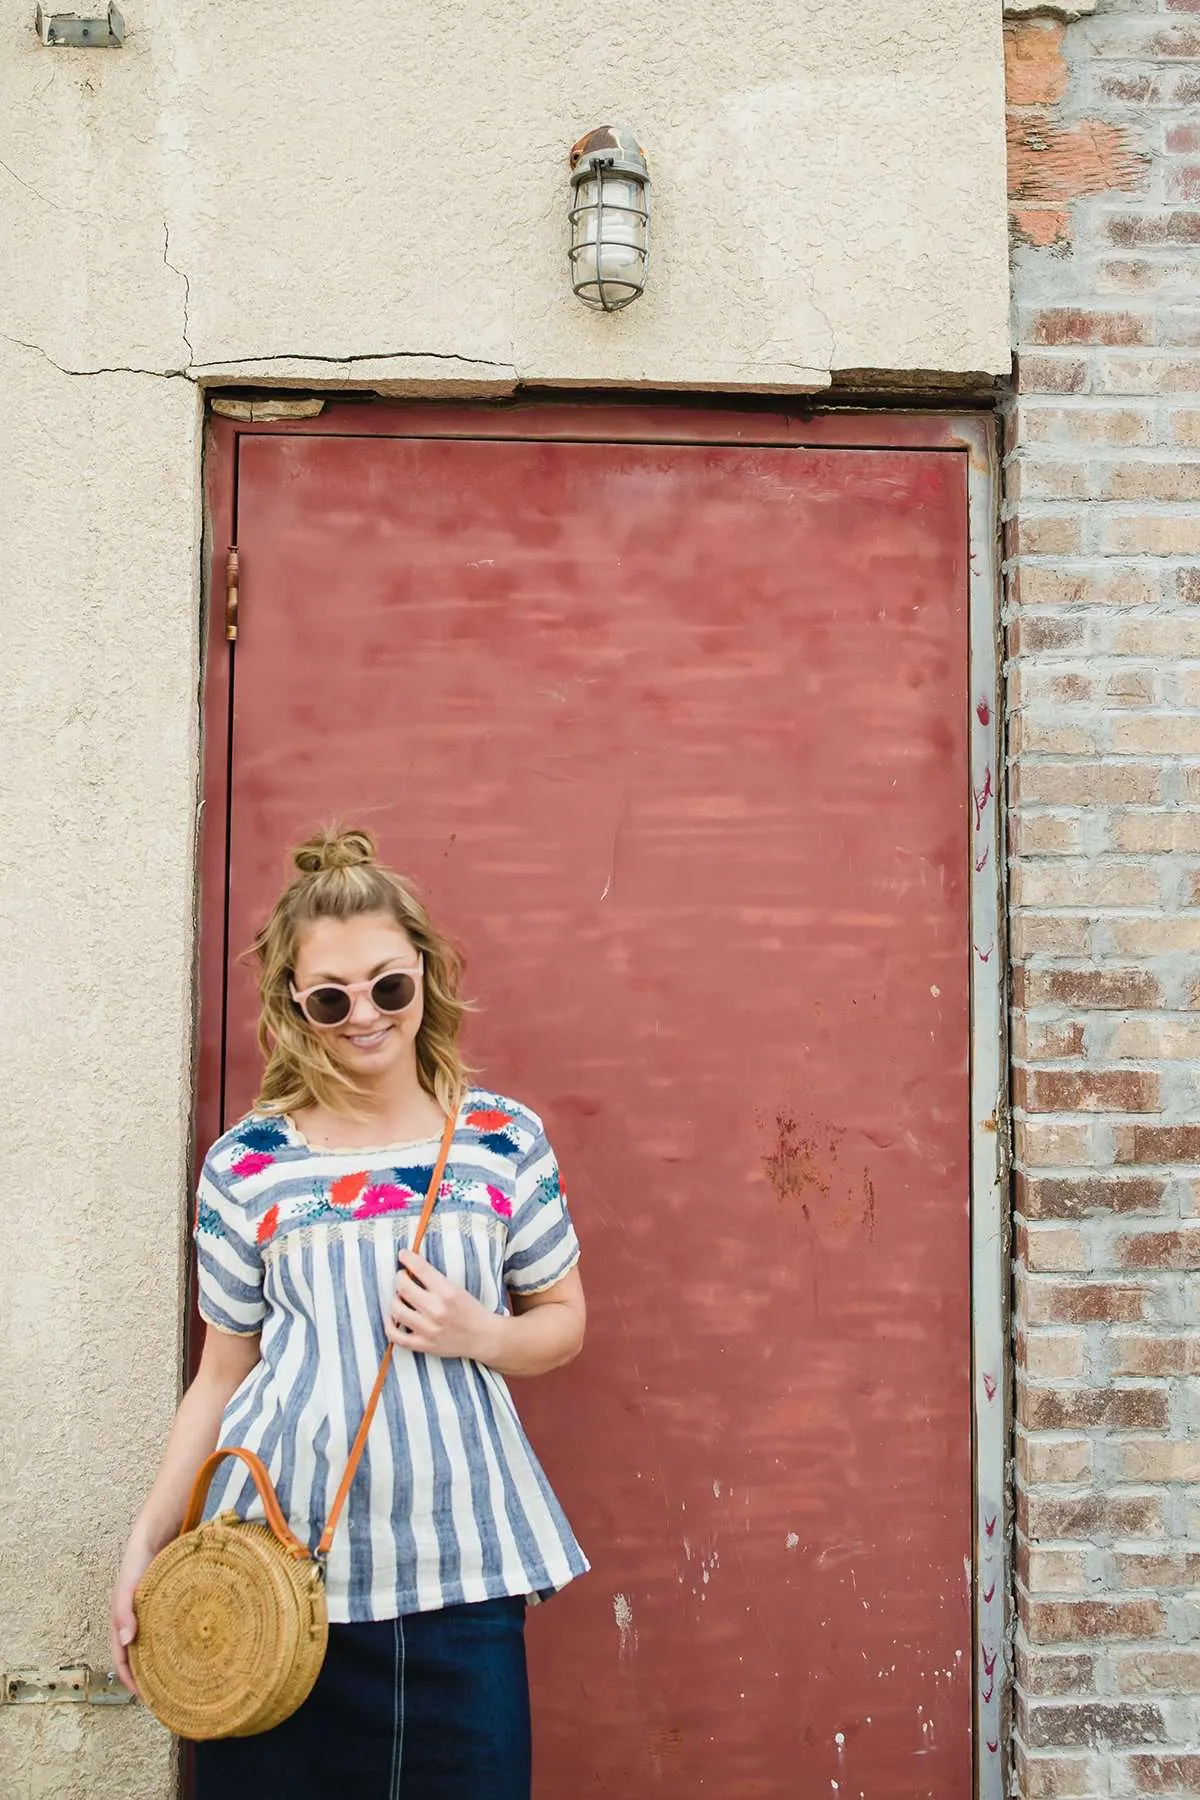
[[305, 1212]]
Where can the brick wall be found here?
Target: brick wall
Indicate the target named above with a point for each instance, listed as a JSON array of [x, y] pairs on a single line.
[[1103, 610]]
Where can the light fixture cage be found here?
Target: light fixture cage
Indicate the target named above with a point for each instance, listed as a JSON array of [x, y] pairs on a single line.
[[610, 218]]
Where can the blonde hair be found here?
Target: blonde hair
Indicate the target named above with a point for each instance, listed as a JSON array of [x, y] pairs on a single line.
[[339, 878]]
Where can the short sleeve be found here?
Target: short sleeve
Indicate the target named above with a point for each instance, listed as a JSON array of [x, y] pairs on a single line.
[[542, 1246], [229, 1265]]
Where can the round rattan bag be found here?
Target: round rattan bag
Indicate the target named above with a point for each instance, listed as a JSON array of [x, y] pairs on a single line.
[[231, 1617]]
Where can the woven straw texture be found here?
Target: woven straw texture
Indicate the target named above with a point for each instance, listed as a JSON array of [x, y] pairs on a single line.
[[231, 1631]]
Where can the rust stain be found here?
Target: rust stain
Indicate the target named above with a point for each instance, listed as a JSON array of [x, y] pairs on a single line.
[[1035, 69], [667, 1741], [793, 1166], [868, 1217]]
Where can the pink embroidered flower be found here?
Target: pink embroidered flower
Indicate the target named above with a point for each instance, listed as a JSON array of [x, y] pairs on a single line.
[[446, 1191], [384, 1197], [252, 1163], [267, 1225], [500, 1202]]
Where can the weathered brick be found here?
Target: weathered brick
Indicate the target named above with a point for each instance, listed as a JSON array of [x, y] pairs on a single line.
[[1044, 1461], [1159, 734], [1031, 734], [1039, 584], [1050, 934], [1155, 937], [1045, 534], [1158, 833], [1055, 1724], [1051, 1356], [1056, 1197], [1054, 1143], [1154, 638], [1088, 784], [1157, 1144], [1028, 635], [1145, 40], [1077, 882], [1149, 481], [1147, 1039], [1183, 140], [1140, 230], [1185, 427], [1051, 162], [1061, 325], [1049, 374], [1081, 1621], [1121, 989], [1171, 1774], [1053, 1672], [1048, 1777], [1035, 73], [1079, 1303], [1080, 1409], [1183, 183], [1158, 1671], [1151, 534], [1171, 1249], [1144, 1353], [1096, 1090], [1053, 1571], [1053, 1249], [1090, 1516], [1100, 423], [1161, 1460], [1161, 1569]]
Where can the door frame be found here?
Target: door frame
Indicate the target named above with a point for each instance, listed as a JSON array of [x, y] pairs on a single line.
[[712, 421]]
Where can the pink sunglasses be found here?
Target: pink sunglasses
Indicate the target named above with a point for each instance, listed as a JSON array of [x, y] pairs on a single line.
[[330, 1003]]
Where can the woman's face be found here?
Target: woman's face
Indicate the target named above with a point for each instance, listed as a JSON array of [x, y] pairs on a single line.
[[369, 1043]]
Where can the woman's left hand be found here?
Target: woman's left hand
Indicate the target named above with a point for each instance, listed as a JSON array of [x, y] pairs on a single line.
[[431, 1314]]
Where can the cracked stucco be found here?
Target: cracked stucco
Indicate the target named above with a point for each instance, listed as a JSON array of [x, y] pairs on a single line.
[[371, 197]]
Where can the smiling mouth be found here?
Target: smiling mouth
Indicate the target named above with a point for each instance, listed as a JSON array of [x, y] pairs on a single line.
[[367, 1040]]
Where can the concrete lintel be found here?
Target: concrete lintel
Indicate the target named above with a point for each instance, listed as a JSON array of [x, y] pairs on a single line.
[[1067, 10]]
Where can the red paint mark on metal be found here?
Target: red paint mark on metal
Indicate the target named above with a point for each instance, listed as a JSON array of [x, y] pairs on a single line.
[[983, 713], [989, 1526], [989, 1386], [516, 602], [981, 799], [989, 1594]]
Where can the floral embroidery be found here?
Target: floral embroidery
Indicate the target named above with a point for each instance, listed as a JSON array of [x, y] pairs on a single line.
[[347, 1188], [253, 1162], [383, 1197], [499, 1141], [488, 1118], [262, 1134], [547, 1189], [500, 1202], [209, 1219], [267, 1225]]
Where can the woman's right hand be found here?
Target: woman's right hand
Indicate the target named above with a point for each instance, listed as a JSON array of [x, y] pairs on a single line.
[[122, 1621]]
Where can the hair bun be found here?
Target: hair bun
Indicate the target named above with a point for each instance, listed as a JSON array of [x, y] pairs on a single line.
[[334, 850]]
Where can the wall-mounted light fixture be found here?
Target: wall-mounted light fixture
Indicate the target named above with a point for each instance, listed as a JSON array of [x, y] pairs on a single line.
[[610, 218], [81, 31]]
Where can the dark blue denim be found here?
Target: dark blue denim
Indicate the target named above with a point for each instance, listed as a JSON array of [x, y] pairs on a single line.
[[433, 1706]]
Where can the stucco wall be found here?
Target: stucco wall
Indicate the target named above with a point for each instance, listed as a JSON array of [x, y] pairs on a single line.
[[365, 196]]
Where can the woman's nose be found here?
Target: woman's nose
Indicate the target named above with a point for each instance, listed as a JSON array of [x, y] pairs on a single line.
[[362, 1012]]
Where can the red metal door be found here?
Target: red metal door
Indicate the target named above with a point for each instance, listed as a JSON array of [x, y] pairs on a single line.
[[673, 735]]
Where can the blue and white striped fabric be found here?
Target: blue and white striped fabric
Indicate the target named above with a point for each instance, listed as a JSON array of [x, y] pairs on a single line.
[[300, 1244]]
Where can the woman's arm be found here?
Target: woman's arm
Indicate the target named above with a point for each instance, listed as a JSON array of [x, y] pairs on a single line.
[[225, 1362], [430, 1314]]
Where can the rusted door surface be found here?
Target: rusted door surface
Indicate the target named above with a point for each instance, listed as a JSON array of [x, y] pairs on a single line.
[[674, 738]]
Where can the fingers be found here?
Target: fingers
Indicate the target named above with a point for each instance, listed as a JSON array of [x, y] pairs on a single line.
[[424, 1271], [121, 1633]]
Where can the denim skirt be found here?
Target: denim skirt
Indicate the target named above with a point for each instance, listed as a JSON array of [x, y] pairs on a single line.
[[431, 1706]]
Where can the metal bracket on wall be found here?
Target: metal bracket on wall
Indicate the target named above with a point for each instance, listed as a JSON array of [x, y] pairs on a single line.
[[78, 1684], [79, 31]]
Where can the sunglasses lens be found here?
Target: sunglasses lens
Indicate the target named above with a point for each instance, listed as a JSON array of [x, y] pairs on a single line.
[[392, 993], [328, 1006]]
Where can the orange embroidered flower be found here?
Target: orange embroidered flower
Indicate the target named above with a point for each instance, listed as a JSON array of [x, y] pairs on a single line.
[[267, 1225], [489, 1118], [347, 1188]]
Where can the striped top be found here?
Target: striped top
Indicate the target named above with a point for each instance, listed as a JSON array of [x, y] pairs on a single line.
[[449, 1503]]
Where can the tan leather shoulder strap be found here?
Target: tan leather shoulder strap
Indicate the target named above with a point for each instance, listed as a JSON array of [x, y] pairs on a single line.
[[266, 1494], [360, 1441]]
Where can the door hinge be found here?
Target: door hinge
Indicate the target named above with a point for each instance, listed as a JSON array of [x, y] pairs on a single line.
[[231, 593], [53, 1687]]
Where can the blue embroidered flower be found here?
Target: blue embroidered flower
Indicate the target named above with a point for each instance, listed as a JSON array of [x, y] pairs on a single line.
[[499, 1141], [546, 1189], [208, 1219], [263, 1134]]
